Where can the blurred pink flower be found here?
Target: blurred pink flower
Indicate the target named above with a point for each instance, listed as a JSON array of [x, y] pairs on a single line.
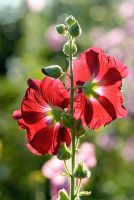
[[54, 40], [111, 38], [130, 93], [87, 155], [36, 5], [105, 141], [53, 168], [128, 150], [126, 9], [130, 27]]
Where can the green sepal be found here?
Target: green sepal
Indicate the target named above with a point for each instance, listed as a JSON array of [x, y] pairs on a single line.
[[84, 193], [61, 29], [70, 20], [62, 195], [66, 48], [75, 30], [64, 153], [79, 129], [67, 120], [81, 172], [64, 174]]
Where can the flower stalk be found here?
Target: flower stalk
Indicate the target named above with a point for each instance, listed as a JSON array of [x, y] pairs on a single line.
[[72, 31], [72, 129]]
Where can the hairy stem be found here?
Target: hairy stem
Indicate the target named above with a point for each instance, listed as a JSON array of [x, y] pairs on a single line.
[[78, 188], [72, 129], [66, 168]]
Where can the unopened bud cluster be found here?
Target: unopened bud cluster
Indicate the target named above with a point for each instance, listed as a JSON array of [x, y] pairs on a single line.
[[72, 30]]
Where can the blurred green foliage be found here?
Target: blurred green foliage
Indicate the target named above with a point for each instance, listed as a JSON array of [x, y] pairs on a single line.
[[25, 46]]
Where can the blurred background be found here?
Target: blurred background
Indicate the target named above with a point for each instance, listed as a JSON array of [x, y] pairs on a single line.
[[28, 41]]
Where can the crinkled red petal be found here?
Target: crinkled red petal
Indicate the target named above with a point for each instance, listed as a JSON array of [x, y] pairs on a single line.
[[48, 140], [53, 91]]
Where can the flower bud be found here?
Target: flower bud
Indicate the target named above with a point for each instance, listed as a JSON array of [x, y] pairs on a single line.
[[70, 20], [75, 30], [81, 172], [53, 71], [64, 153], [67, 120], [61, 29], [62, 195], [79, 129], [66, 48]]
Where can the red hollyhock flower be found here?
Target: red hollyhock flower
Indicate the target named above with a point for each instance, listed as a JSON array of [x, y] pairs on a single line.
[[99, 101], [40, 115]]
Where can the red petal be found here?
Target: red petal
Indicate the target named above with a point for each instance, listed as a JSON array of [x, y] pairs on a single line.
[[21, 123], [105, 109], [88, 65], [33, 101], [123, 70], [32, 117], [42, 140], [92, 61], [48, 140], [113, 94], [53, 91], [34, 84], [88, 113], [100, 116], [65, 136], [34, 151], [34, 107], [17, 114], [78, 71], [79, 107], [106, 62], [111, 77]]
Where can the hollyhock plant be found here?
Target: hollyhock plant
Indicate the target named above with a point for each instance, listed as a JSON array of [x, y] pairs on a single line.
[[40, 115], [55, 113], [99, 78]]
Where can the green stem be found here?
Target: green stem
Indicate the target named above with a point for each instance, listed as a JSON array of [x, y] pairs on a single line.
[[66, 168], [72, 130], [77, 143], [78, 188]]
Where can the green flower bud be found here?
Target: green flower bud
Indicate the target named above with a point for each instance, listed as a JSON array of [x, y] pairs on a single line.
[[64, 153], [62, 195], [79, 129], [66, 48], [75, 30], [81, 172], [70, 20], [53, 71], [61, 29], [67, 120]]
